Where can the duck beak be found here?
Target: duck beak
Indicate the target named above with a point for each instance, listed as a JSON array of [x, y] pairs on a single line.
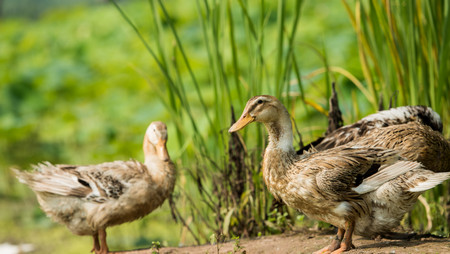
[[161, 150], [242, 122]]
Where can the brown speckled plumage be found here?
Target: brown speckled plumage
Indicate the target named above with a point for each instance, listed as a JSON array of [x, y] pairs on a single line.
[[346, 186], [88, 199], [415, 131], [414, 141], [393, 117]]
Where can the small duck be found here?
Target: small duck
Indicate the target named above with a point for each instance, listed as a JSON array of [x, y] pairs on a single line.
[[88, 199], [391, 117], [344, 186]]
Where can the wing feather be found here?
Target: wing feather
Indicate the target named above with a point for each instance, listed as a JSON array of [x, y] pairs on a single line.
[[347, 167]]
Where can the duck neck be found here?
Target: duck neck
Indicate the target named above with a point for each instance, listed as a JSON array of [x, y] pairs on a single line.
[[278, 155], [280, 134], [149, 151], [152, 161], [162, 172]]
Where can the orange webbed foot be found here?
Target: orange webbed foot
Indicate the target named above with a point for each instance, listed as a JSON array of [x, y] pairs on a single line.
[[330, 248], [335, 244], [344, 247]]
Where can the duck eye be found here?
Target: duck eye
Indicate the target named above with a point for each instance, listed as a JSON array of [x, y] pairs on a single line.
[[260, 101]]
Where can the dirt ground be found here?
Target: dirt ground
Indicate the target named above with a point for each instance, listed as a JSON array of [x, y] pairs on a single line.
[[309, 241]]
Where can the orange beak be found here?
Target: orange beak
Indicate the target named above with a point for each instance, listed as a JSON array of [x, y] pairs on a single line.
[[242, 122]]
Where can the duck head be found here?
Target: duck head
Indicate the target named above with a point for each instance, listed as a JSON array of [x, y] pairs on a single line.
[[155, 141], [262, 108], [271, 112]]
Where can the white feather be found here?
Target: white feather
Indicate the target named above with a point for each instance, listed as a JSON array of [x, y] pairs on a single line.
[[385, 174], [400, 113], [342, 209], [403, 114], [433, 180]]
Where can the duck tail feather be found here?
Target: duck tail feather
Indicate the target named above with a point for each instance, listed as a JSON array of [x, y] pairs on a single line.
[[58, 183]]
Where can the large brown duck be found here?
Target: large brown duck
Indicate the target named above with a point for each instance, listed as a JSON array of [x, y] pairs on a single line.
[[88, 199], [345, 186]]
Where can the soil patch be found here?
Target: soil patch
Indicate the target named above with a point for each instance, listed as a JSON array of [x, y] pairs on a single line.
[[308, 241]]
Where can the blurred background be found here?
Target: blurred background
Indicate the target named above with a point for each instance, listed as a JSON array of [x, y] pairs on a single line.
[[81, 80]]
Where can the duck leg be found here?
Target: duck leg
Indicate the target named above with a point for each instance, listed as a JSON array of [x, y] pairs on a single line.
[[103, 245], [335, 244], [346, 243], [96, 243]]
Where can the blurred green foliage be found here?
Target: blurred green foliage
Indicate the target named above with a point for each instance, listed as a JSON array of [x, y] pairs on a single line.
[[77, 86], [70, 94]]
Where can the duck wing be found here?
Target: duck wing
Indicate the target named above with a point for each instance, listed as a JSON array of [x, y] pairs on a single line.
[[348, 172]]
